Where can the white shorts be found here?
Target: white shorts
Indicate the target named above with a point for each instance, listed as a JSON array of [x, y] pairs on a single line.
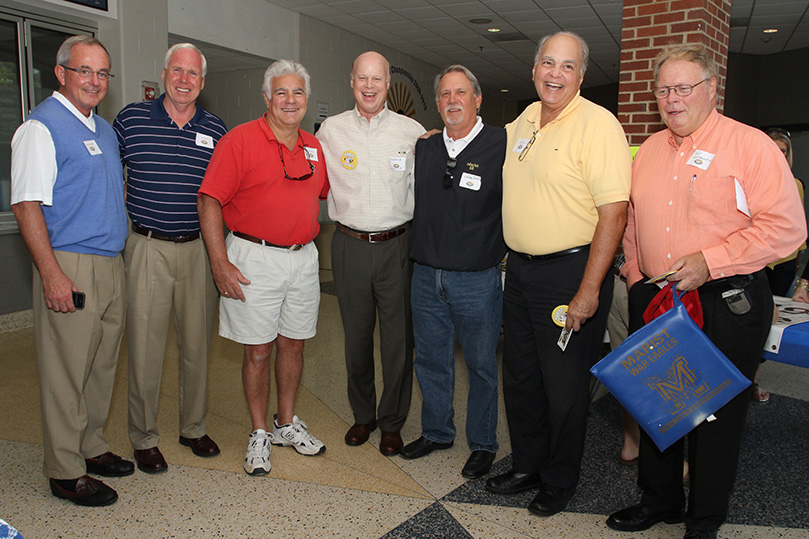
[[283, 296]]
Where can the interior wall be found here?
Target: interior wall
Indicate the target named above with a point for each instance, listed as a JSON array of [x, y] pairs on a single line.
[[234, 96]]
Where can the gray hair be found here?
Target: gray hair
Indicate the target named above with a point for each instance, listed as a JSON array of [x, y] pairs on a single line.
[[178, 46], [65, 53], [457, 68], [585, 50], [690, 52], [281, 68]]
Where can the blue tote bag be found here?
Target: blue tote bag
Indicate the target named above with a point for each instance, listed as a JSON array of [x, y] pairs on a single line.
[[669, 375]]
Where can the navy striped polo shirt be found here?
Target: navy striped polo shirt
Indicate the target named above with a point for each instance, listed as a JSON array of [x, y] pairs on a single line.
[[165, 164]]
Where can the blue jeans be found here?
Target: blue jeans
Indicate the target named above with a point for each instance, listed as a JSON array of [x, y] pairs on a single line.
[[469, 305]]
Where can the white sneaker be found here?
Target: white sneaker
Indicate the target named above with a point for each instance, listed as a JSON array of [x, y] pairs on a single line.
[[296, 435], [257, 459]]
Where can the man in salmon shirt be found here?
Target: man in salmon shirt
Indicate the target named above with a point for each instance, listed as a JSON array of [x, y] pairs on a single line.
[[263, 183], [714, 201]]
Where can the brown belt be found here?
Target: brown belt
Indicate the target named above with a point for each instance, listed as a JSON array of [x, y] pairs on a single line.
[[557, 254], [374, 237], [248, 237], [164, 237]]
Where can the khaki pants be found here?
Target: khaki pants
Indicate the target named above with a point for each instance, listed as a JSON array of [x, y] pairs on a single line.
[[76, 355], [159, 275]]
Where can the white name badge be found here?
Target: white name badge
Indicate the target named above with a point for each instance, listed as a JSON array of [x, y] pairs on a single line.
[[92, 147], [521, 144], [701, 159], [470, 181], [398, 164], [311, 153], [205, 141]]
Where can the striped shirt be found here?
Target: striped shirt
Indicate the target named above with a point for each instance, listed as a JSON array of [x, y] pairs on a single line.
[[165, 164]]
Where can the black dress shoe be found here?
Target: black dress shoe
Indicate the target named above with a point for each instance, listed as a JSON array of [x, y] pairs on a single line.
[[550, 500], [478, 464], [699, 534], [422, 447], [512, 482], [640, 517], [90, 492], [359, 432], [202, 446], [151, 460], [109, 465]]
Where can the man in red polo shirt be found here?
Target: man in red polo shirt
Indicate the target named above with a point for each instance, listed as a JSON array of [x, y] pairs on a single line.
[[263, 183]]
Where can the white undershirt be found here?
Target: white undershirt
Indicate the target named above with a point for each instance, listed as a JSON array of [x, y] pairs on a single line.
[[33, 157]]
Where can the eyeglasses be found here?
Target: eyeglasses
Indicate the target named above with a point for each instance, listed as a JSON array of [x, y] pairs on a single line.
[[524, 151], [287, 176], [451, 163], [682, 90], [87, 74]]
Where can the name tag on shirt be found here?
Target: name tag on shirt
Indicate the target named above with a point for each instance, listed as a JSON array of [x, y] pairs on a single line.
[[206, 141], [470, 181], [701, 159], [311, 153], [398, 164], [92, 147], [520, 146]]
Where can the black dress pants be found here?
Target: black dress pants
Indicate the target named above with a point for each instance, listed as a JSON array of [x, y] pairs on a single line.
[[546, 390], [713, 447]]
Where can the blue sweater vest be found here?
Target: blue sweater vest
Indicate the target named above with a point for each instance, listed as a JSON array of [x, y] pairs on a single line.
[[87, 214]]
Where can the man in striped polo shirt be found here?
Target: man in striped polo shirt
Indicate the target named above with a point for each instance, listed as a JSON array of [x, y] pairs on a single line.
[[166, 145]]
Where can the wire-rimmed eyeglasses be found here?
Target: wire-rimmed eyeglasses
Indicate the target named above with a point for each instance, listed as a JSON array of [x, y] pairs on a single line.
[[87, 74], [682, 90], [284, 165], [524, 151]]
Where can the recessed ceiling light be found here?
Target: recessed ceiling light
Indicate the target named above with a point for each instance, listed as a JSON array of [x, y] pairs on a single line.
[[770, 30], [493, 30], [504, 90], [480, 21]]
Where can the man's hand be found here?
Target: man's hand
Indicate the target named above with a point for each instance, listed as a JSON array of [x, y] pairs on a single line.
[[229, 279], [58, 290], [430, 133], [581, 308], [692, 272]]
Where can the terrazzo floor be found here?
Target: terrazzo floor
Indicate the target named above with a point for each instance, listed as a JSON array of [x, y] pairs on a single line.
[[355, 491]]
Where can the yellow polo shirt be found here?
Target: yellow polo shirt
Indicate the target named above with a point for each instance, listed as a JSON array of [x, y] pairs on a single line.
[[578, 162]]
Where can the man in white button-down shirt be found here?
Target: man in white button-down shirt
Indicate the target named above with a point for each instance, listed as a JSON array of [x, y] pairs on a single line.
[[369, 155]]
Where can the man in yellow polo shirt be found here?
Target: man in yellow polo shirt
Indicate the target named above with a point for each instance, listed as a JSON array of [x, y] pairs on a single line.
[[565, 193]]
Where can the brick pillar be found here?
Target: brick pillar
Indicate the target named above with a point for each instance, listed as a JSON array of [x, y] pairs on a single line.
[[650, 25]]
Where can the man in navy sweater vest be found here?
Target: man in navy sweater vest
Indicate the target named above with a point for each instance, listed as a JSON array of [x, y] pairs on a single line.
[[457, 247]]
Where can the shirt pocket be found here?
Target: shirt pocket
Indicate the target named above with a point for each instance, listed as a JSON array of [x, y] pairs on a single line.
[[711, 200]]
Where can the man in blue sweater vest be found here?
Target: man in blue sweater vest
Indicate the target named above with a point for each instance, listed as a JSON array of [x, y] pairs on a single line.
[[457, 285], [67, 196]]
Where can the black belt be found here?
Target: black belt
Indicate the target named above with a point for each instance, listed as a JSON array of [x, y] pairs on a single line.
[[550, 256], [374, 237], [163, 237], [734, 281], [248, 237]]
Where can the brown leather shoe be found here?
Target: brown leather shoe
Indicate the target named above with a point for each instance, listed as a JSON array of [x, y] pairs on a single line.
[[358, 433], [202, 446], [391, 443], [109, 465], [151, 460], [90, 492]]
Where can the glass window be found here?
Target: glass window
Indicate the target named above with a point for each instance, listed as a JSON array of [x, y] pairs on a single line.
[[10, 104]]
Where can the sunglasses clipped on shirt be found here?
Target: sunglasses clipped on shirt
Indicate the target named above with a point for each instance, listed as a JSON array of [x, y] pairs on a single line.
[[284, 165]]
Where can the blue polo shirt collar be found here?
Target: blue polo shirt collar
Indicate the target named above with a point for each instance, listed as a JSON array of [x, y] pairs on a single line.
[[158, 112]]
